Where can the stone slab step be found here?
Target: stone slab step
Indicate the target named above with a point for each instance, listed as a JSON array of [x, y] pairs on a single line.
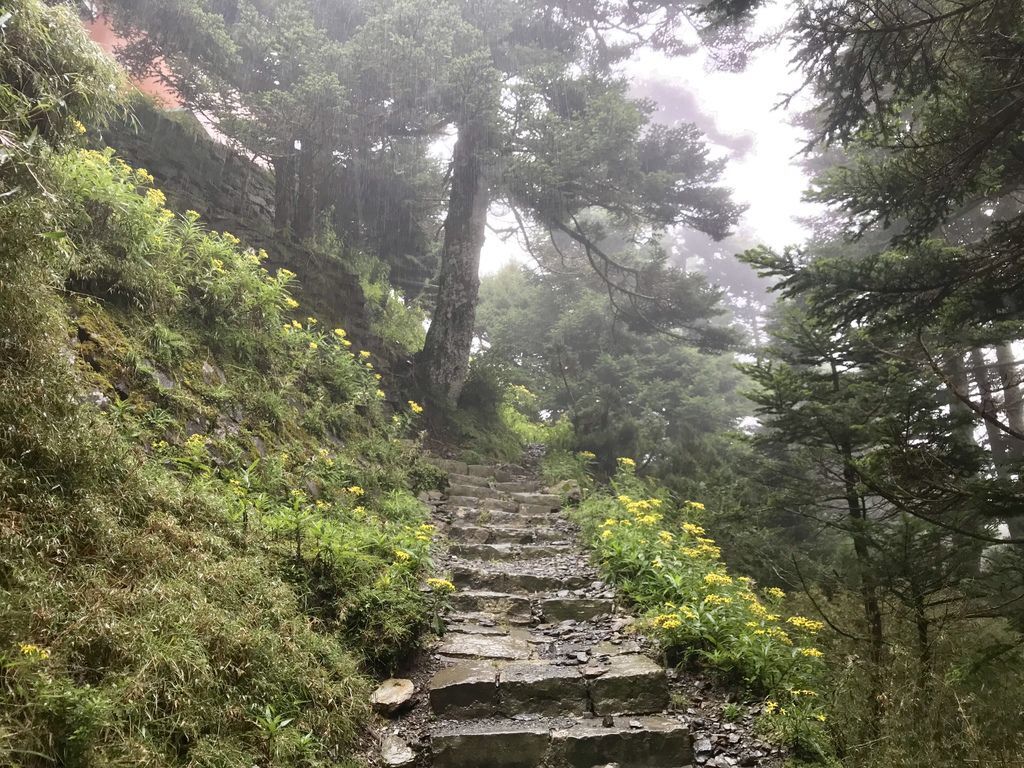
[[506, 519], [458, 479], [550, 500], [516, 609], [475, 491], [509, 551], [578, 608], [448, 465], [510, 581], [460, 645], [518, 486], [477, 534], [475, 502], [632, 684], [537, 509], [657, 742]]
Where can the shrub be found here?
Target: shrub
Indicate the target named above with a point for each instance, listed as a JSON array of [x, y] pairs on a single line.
[[662, 558]]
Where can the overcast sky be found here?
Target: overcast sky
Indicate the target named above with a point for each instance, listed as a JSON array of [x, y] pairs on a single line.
[[737, 113]]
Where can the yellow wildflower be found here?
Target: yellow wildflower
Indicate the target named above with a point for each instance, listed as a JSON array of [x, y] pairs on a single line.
[[693, 530], [812, 653], [31, 649], [311, 320], [667, 621], [821, 718], [775, 593], [625, 461], [665, 536], [339, 332], [143, 175], [695, 505], [770, 707], [441, 585], [313, 345], [355, 490], [717, 579], [231, 238], [156, 198], [606, 534], [657, 563], [623, 499], [380, 394], [291, 303], [810, 625], [402, 556], [364, 354], [588, 455], [415, 407]]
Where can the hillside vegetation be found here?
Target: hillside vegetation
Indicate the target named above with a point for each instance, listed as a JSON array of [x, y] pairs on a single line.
[[209, 529]]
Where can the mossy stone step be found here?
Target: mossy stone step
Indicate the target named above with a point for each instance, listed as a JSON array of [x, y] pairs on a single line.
[[478, 534], [509, 551], [636, 742], [462, 645]]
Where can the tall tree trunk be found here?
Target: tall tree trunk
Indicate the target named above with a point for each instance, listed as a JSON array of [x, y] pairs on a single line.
[[986, 393], [306, 208], [859, 523], [957, 407], [1009, 376], [444, 361], [284, 192]]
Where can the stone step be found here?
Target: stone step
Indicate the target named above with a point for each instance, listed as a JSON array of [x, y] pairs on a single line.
[[475, 492], [477, 482], [636, 742], [550, 500], [627, 684], [500, 517], [537, 509], [477, 534], [489, 471], [475, 502], [518, 486], [448, 465], [509, 551], [468, 576], [577, 608], [466, 645], [516, 609]]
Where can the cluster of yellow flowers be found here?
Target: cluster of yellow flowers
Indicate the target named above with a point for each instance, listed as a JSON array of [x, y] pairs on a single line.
[[775, 633], [693, 530], [812, 653], [415, 407], [355, 490], [402, 556], [587, 455], [156, 198], [715, 579], [809, 625], [31, 649], [144, 176], [442, 586], [291, 303], [626, 463], [667, 621], [714, 599], [230, 238]]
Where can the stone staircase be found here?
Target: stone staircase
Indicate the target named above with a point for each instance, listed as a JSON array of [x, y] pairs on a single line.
[[535, 668]]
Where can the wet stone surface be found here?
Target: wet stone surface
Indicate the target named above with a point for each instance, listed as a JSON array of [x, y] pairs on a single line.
[[540, 665]]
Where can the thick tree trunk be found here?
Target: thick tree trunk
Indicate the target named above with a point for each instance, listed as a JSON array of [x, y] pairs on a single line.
[[444, 361], [983, 380], [957, 407], [284, 192]]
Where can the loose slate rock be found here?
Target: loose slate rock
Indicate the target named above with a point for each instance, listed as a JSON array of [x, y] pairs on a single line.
[[392, 695], [396, 753]]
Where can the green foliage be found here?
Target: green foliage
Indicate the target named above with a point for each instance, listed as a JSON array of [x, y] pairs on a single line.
[[662, 559], [209, 532], [622, 390]]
